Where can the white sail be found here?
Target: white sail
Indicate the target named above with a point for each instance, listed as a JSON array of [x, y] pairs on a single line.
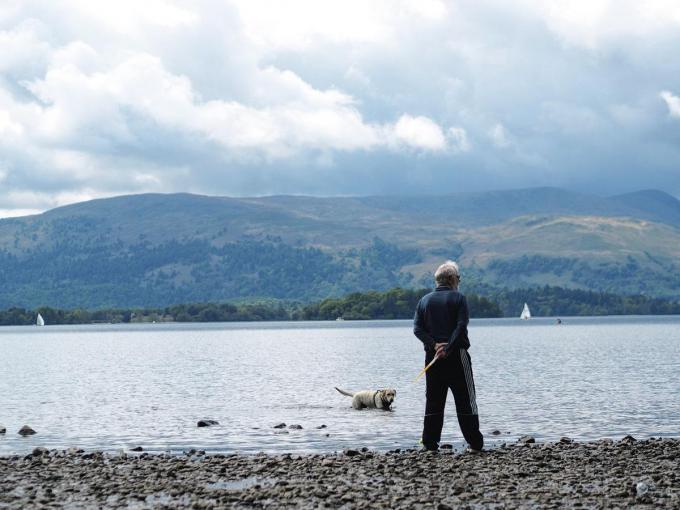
[[40, 321], [526, 314]]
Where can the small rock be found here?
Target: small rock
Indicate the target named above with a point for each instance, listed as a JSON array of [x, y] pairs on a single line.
[[446, 446], [26, 431], [351, 453], [137, 449], [566, 440], [641, 489], [207, 423], [3, 429], [444, 506], [280, 426], [295, 427], [496, 433], [321, 427], [40, 451], [628, 439], [526, 439]]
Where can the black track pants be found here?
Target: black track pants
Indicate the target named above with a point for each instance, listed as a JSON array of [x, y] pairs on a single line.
[[454, 372]]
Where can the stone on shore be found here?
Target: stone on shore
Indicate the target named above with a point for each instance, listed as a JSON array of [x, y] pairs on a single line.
[[26, 431], [526, 440], [295, 427], [40, 451], [496, 433], [280, 426], [602, 474], [207, 423], [2, 429]]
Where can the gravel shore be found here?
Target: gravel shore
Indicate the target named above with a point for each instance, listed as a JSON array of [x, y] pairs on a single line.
[[625, 474]]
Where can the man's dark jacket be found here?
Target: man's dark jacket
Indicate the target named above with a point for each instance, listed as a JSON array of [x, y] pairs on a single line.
[[442, 316]]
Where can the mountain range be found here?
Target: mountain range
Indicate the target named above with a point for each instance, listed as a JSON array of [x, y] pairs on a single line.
[[162, 249]]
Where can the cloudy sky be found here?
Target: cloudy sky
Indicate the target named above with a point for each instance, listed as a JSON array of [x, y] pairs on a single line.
[[104, 97]]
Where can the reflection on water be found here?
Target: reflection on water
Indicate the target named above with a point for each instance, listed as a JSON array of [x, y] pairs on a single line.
[[112, 387]]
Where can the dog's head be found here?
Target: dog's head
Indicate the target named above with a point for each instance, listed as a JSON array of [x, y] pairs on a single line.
[[387, 396]]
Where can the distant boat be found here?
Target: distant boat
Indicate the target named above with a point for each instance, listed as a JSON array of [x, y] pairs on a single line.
[[339, 319], [40, 321], [526, 314]]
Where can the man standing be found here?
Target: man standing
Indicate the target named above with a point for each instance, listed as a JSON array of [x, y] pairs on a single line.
[[440, 322]]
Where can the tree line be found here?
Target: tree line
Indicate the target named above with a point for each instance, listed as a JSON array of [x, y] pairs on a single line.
[[397, 303]]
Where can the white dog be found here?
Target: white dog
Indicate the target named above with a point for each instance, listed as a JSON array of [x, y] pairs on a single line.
[[378, 399]]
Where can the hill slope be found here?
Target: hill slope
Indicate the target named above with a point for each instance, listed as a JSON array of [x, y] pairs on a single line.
[[156, 250]]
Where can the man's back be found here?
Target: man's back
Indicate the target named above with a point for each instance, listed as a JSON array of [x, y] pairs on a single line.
[[442, 315]]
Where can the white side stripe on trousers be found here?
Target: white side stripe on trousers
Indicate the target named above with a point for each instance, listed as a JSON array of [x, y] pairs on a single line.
[[468, 380]]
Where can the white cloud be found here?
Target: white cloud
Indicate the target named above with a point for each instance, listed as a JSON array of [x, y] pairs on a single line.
[[13, 213], [292, 115], [672, 102], [254, 96], [8, 127], [596, 23], [87, 104], [22, 49], [128, 16], [301, 24], [419, 132]]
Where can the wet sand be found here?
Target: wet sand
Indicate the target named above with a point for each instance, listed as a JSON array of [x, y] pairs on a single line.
[[602, 474]]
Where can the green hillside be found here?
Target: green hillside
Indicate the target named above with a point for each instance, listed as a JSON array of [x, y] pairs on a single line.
[[159, 250]]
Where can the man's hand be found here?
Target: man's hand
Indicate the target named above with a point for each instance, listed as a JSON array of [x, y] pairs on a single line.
[[439, 348]]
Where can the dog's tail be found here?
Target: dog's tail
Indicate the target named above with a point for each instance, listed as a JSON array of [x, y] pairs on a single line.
[[344, 392]]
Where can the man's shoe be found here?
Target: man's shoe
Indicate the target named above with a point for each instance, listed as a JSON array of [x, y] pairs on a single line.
[[429, 447]]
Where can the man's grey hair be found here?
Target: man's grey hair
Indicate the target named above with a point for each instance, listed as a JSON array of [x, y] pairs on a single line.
[[445, 273]]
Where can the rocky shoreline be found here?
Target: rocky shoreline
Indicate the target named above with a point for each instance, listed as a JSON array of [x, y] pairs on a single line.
[[601, 474]]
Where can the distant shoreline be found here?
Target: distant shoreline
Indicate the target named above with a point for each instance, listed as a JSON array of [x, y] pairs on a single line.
[[565, 320], [599, 474], [396, 304]]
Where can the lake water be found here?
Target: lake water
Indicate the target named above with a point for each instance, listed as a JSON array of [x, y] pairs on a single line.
[[119, 386]]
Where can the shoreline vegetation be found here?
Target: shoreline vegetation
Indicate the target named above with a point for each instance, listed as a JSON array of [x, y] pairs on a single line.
[[565, 474], [396, 303]]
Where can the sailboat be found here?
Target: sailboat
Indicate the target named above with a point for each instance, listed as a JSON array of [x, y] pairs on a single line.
[[40, 321], [526, 314]]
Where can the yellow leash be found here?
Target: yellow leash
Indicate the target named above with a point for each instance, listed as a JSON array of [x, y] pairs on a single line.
[[426, 369]]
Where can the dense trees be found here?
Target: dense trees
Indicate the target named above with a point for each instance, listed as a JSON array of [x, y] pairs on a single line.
[[552, 301], [397, 303], [394, 304], [142, 274]]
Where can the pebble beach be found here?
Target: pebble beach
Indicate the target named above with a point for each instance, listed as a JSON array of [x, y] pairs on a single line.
[[627, 473]]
